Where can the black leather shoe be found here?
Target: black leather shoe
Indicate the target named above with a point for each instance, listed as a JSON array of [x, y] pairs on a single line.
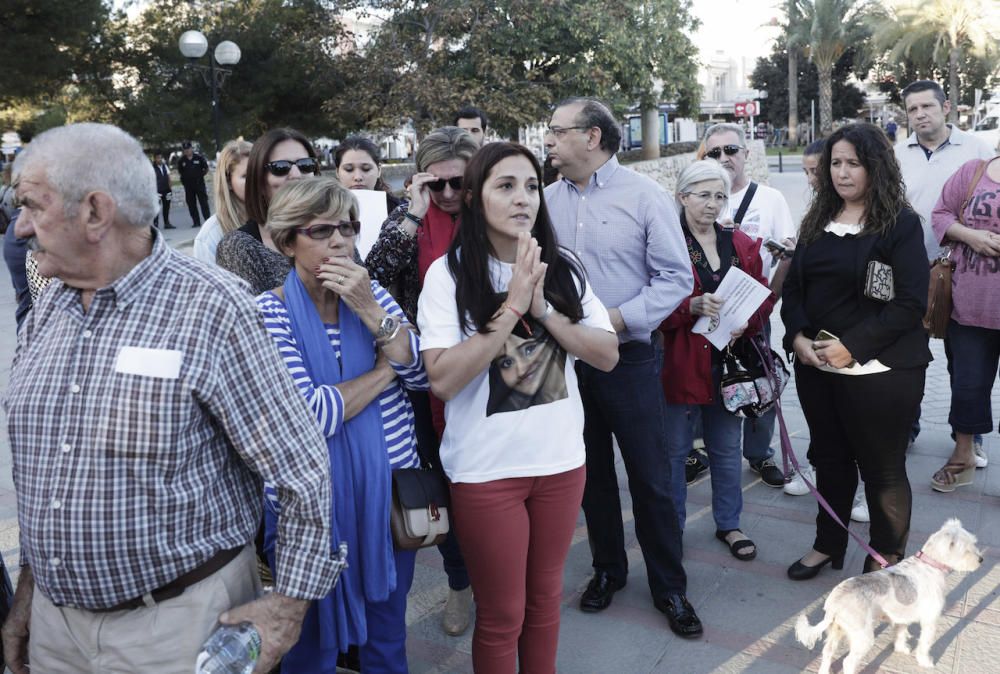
[[799, 571], [599, 592], [684, 622]]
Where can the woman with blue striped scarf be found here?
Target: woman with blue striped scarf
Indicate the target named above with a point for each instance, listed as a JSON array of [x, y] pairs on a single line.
[[351, 352]]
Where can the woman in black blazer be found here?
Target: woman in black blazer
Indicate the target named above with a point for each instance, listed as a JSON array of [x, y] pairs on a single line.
[[860, 274]]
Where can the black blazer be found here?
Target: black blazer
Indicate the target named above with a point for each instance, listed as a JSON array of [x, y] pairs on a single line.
[[891, 331]]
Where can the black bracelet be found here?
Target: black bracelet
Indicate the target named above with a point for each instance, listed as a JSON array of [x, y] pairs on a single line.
[[412, 217]]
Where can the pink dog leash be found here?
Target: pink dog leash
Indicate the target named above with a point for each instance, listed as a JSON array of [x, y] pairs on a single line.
[[787, 455]]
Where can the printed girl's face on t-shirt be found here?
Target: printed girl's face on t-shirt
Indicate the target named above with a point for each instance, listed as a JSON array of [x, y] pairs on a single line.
[[522, 363], [529, 370], [850, 178]]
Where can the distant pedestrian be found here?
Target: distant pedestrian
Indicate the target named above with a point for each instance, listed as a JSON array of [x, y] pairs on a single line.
[[890, 130], [193, 167], [165, 188]]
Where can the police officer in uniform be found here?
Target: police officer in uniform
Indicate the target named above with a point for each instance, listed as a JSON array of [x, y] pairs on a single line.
[[192, 168]]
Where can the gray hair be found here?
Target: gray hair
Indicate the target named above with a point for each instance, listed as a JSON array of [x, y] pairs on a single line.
[[78, 159], [447, 142], [725, 127], [699, 172], [299, 201]]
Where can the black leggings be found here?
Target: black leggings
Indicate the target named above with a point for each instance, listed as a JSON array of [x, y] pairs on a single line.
[[861, 423]]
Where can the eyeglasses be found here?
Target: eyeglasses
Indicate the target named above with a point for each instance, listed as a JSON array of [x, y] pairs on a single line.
[[560, 131], [438, 185], [719, 197], [324, 230], [283, 167], [730, 150]]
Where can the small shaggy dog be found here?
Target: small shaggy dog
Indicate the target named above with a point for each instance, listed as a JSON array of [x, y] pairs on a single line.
[[909, 592]]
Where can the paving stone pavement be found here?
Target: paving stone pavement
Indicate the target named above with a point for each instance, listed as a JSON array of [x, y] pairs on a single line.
[[749, 608]]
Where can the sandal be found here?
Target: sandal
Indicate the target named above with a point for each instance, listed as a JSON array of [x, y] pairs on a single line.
[[952, 475], [738, 548]]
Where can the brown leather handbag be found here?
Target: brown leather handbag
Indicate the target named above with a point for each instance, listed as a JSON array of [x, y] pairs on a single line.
[[939, 289]]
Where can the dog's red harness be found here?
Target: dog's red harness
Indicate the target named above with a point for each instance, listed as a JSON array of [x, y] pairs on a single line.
[[932, 562]]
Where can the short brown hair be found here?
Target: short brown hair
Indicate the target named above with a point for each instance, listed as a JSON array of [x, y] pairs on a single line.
[[299, 201]]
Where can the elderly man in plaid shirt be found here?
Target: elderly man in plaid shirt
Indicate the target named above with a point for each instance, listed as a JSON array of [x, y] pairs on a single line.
[[146, 404]]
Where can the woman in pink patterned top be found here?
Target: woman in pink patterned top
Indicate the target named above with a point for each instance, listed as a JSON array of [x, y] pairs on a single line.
[[968, 217]]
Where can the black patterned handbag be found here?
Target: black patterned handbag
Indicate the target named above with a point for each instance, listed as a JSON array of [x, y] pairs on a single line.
[[748, 388]]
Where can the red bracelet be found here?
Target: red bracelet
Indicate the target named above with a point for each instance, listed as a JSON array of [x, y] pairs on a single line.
[[520, 317]]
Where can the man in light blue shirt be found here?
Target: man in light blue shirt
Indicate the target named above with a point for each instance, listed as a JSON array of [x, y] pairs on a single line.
[[626, 231]]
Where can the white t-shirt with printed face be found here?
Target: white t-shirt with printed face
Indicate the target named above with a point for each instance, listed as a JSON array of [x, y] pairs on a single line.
[[522, 416], [767, 217]]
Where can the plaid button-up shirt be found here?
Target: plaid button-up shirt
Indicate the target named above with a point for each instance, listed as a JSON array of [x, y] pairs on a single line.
[[140, 431]]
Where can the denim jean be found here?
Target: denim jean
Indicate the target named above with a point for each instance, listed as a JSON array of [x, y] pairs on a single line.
[[975, 354], [628, 402], [722, 443]]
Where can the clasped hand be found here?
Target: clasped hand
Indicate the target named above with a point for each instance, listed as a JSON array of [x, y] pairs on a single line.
[[830, 352], [526, 290]]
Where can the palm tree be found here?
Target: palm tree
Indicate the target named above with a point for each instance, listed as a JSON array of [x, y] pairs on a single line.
[[793, 74], [933, 29], [826, 29]]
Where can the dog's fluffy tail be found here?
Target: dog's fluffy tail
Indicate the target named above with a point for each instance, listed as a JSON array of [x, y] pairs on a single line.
[[808, 634]]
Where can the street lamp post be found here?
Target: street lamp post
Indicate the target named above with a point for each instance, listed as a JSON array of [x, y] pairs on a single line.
[[193, 45]]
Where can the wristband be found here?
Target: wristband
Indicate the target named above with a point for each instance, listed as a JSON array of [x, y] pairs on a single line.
[[519, 315], [411, 217]]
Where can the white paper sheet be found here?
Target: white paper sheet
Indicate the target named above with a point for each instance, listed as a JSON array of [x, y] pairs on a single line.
[[742, 295], [373, 212]]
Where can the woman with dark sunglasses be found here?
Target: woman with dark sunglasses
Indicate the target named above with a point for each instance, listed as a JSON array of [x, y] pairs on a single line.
[[415, 234], [278, 156], [353, 355]]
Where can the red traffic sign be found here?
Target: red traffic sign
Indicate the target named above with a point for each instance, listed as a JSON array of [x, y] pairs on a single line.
[[745, 109]]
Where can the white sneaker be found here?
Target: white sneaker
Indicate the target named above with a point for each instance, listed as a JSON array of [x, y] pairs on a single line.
[[981, 459], [859, 512], [795, 485]]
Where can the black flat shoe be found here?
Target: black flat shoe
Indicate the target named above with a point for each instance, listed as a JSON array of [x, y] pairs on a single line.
[[738, 549], [599, 592], [799, 571], [684, 622]]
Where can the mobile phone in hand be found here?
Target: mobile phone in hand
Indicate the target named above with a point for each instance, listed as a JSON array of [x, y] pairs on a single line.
[[824, 335], [775, 246]]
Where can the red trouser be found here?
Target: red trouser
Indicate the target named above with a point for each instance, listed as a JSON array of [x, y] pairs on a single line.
[[515, 536]]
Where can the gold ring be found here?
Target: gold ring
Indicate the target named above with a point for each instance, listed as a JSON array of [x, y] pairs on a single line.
[[341, 278]]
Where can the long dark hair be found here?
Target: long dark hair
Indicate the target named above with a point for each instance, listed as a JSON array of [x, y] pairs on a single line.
[[886, 195], [256, 188], [475, 295]]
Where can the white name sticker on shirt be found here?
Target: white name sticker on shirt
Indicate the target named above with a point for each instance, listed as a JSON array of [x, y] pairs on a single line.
[[160, 363]]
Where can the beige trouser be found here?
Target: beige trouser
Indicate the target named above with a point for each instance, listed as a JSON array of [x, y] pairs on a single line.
[[161, 639]]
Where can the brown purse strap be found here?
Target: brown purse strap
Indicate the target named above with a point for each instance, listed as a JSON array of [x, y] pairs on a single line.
[[980, 170]]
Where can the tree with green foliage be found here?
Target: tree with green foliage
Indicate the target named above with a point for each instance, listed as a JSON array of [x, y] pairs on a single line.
[[771, 75], [827, 29], [922, 35], [425, 60]]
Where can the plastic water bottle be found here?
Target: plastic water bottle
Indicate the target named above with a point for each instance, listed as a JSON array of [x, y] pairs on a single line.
[[232, 649]]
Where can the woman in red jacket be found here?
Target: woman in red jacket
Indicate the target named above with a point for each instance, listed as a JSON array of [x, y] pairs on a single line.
[[692, 367]]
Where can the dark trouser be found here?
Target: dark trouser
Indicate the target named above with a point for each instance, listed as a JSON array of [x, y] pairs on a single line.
[[429, 449], [194, 195], [628, 402], [974, 354], [861, 423], [165, 208]]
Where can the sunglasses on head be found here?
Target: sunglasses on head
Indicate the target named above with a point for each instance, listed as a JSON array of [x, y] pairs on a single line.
[[438, 185], [347, 228], [730, 150], [283, 167]]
